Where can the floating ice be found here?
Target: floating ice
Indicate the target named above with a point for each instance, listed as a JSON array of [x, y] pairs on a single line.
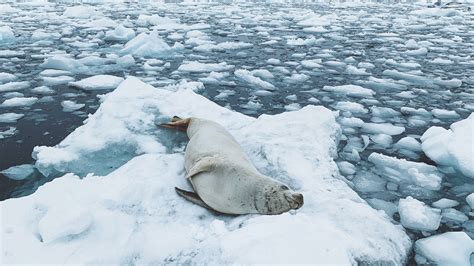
[[383, 128], [355, 108], [350, 90], [415, 215], [20, 172], [14, 86], [120, 33], [453, 147], [80, 12], [6, 77], [52, 81], [452, 248], [403, 171], [366, 182], [62, 62], [445, 203], [435, 12], [388, 207], [223, 46], [19, 102], [136, 217], [470, 200], [408, 143], [150, 45], [451, 215], [98, 82], [444, 114], [7, 9], [71, 106], [248, 77], [10, 117], [6, 34], [197, 67]]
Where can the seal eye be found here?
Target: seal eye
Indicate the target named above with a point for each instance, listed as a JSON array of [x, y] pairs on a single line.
[[284, 187]]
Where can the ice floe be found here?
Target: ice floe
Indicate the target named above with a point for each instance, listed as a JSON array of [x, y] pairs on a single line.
[[452, 147], [98, 82], [139, 214]]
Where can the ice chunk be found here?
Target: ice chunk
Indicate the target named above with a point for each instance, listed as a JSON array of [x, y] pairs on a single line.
[[6, 77], [403, 171], [366, 182], [98, 82], [19, 102], [52, 81], [80, 12], [444, 114], [388, 207], [383, 128], [453, 147], [470, 200], [383, 140], [197, 67], [71, 106], [445, 203], [247, 76], [408, 143], [14, 86], [6, 34], [355, 108], [43, 90], [451, 248], [149, 45], [451, 215], [7, 9], [223, 46], [20, 172], [139, 213], [415, 215], [62, 62], [120, 33], [346, 168], [384, 112], [435, 12], [350, 90], [10, 117]]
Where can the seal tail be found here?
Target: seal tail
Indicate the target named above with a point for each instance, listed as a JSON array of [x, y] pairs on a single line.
[[177, 123]]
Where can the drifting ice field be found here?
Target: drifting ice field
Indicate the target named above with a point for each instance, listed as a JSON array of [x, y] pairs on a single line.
[[366, 110]]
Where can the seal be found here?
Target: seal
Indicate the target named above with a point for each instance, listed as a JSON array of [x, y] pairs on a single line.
[[223, 178]]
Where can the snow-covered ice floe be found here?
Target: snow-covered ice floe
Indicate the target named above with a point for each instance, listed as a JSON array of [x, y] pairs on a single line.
[[452, 147], [134, 211]]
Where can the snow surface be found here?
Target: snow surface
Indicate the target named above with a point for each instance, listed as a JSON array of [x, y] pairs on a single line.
[[142, 220]]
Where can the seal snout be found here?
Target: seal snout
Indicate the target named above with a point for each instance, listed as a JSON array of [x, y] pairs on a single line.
[[297, 200]]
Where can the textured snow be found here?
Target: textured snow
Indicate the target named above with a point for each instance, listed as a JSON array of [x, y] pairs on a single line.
[[452, 147], [141, 219], [452, 248], [98, 82]]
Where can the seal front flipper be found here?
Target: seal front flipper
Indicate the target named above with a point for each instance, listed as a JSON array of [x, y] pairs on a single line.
[[205, 164], [177, 123], [193, 197]]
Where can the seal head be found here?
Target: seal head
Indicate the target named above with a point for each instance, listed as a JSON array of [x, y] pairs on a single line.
[[277, 198]]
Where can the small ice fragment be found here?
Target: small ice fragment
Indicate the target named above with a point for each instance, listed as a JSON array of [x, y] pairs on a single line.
[[444, 114], [470, 200], [388, 207], [384, 128], [346, 168], [19, 102], [408, 143], [71, 106], [10, 117], [445, 203], [20, 172]]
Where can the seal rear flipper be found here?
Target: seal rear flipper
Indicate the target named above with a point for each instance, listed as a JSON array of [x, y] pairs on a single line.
[[177, 123], [194, 198]]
